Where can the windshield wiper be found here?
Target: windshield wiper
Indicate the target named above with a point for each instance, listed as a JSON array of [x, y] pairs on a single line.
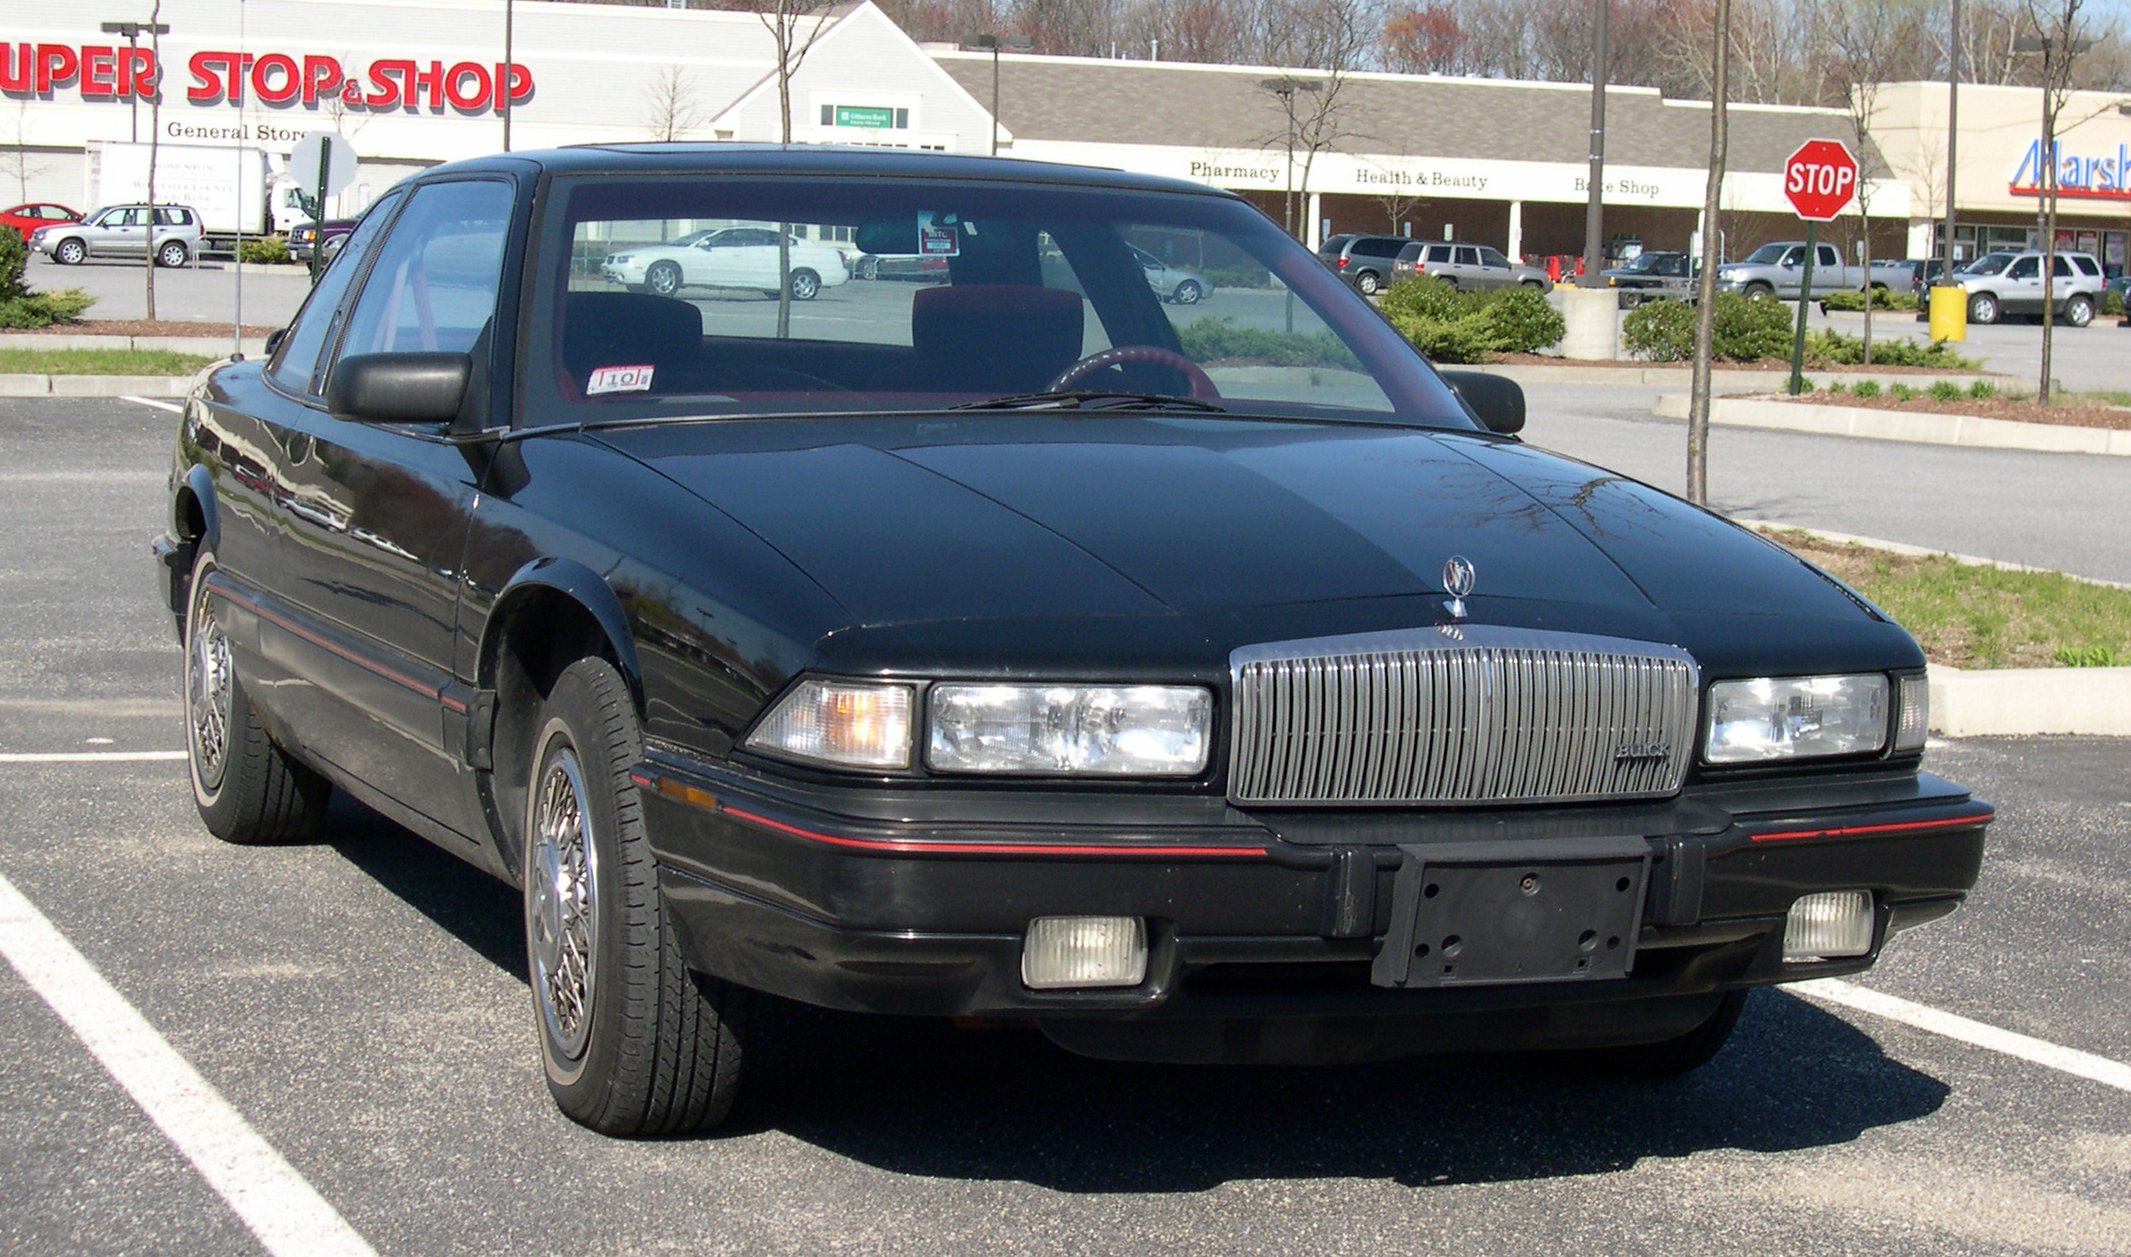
[[1094, 399]]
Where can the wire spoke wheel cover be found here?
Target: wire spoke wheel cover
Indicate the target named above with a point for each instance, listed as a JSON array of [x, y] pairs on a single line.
[[210, 687], [562, 919]]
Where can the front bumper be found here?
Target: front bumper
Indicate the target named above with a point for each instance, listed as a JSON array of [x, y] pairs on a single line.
[[848, 901]]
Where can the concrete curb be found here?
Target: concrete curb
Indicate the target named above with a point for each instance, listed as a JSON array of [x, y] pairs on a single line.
[[1922, 427], [2009, 702], [212, 346], [1683, 377], [94, 385]]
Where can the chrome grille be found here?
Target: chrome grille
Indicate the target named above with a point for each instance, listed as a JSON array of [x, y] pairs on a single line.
[[1460, 714]]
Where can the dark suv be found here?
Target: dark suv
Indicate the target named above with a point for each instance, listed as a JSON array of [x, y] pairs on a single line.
[[1363, 261]]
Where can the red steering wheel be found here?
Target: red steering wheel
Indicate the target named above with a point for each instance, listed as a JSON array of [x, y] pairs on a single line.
[[1202, 385]]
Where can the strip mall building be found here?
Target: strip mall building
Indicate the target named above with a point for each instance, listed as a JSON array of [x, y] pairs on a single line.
[[1502, 163]]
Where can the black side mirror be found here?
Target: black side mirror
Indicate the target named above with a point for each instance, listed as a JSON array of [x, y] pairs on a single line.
[[1495, 400], [274, 339], [399, 388]]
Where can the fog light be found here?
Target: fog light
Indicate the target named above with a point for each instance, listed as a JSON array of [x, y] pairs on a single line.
[[1836, 923], [1066, 952]]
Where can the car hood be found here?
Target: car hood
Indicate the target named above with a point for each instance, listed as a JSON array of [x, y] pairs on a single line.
[[1001, 516]]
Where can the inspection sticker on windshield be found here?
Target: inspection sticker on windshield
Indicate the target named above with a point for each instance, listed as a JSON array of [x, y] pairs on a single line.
[[636, 379], [937, 238]]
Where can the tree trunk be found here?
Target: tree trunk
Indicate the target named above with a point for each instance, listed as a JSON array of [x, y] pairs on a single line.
[[1705, 311]]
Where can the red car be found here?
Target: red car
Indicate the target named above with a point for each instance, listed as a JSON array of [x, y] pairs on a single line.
[[28, 218]]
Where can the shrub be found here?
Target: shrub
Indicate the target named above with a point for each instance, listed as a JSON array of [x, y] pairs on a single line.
[[1744, 330], [1662, 330], [1449, 324], [2112, 302], [1945, 391], [1982, 390], [14, 255], [1217, 338], [1838, 386], [43, 309], [1902, 392], [1865, 388], [268, 250], [1882, 299], [2090, 657], [1239, 277], [1829, 348]]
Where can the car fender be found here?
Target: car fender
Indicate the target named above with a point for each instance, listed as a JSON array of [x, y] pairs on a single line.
[[585, 587]]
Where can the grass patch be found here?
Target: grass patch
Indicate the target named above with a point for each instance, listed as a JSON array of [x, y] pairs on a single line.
[[99, 362], [1970, 616]]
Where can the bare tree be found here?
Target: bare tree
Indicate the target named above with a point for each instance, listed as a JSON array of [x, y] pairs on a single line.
[[1705, 310], [672, 108], [2062, 37], [1868, 43], [17, 152], [793, 28]]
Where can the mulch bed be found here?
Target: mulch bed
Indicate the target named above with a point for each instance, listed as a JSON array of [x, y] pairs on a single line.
[[1982, 408], [1763, 365]]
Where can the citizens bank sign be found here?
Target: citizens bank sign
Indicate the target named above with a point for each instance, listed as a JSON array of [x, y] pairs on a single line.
[[275, 79], [2106, 177]]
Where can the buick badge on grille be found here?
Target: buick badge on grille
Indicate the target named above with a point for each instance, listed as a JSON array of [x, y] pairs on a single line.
[[1458, 578], [1642, 752]]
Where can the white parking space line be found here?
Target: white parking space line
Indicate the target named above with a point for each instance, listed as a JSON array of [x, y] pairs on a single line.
[[172, 407], [1924, 1017], [286, 1214], [86, 757]]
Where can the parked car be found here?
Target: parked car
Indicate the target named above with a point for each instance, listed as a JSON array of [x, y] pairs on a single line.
[[743, 257], [2015, 286], [306, 237], [1173, 284], [1001, 652], [173, 239], [1778, 270], [1466, 266], [1653, 274], [1363, 261], [28, 218]]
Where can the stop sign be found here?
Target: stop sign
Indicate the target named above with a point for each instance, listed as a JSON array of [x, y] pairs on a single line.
[[1820, 178]]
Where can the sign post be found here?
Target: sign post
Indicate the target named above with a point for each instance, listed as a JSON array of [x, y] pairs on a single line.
[[1819, 180], [323, 160]]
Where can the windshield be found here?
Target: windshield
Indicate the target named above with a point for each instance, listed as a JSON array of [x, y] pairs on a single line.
[[1988, 264], [1768, 254], [675, 296]]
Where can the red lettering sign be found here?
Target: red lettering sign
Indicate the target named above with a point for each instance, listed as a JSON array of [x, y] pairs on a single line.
[[277, 79]]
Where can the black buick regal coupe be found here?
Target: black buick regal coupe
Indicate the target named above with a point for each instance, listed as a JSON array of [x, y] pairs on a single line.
[[1193, 683]]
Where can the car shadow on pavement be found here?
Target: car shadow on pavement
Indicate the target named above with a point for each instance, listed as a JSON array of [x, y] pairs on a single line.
[[921, 1097], [929, 1100]]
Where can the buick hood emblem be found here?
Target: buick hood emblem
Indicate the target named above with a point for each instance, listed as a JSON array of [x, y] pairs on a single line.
[[1458, 577]]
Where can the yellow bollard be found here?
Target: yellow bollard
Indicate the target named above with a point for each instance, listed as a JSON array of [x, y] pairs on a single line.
[[1949, 313]]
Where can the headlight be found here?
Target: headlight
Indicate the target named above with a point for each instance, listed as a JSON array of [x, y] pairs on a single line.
[[620, 259], [1138, 730], [1795, 718], [843, 723]]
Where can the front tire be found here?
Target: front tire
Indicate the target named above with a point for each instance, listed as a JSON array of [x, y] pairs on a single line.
[[70, 253], [1760, 292], [664, 278], [1982, 308], [172, 254], [2079, 312], [248, 790], [632, 1042]]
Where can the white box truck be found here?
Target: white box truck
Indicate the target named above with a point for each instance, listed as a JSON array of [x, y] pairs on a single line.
[[235, 190]]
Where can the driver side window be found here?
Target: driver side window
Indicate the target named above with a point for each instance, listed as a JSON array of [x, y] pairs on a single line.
[[433, 287]]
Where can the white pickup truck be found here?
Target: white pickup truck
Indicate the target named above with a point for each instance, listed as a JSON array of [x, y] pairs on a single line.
[[1778, 268]]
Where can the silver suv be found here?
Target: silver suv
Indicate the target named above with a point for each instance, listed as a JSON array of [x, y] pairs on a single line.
[[124, 231], [2005, 283], [1466, 266]]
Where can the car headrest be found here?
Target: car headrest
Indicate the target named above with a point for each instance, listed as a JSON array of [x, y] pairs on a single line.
[[997, 335], [608, 329]]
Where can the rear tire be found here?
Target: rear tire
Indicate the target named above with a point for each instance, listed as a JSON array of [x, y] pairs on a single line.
[[1367, 283], [172, 254], [1187, 293], [249, 791], [633, 1043], [2078, 311], [805, 284]]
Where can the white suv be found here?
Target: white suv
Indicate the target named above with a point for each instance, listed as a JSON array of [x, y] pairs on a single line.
[[2014, 286], [124, 231]]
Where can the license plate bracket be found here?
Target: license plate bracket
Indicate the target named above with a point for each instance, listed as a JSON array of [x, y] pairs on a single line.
[[1502, 913]]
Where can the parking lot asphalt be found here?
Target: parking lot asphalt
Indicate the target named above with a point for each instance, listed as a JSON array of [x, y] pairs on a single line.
[[359, 1005]]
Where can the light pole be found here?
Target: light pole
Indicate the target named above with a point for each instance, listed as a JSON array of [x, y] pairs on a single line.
[[1594, 205], [507, 76], [1285, 90], [1019, 43], [133, 32]]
